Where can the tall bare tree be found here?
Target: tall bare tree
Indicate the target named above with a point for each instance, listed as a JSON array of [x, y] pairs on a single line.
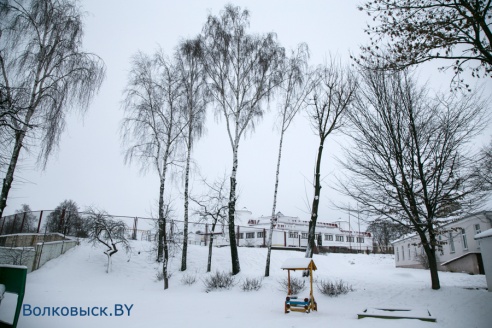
[[44, 74], [484, 168], [296, 85], [189, 57], [332, 96], [413, 32], [385, 231], [152, 125], [213, 205], [243, 71], [409, 163]]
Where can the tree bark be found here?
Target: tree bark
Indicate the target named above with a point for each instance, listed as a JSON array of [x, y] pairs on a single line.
[[9, 176], [273, 218], [232, 209], [186, 200], [431, 255], [209, 260], [314, 209], [160, 222]]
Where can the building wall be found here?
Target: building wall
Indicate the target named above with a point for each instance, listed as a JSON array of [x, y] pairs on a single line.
[[455, 244], [468, 263]]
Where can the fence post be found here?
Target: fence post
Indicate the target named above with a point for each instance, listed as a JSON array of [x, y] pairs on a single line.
[[13, 224], [3, 222], [22, 224], [39, 222], [135, 222]]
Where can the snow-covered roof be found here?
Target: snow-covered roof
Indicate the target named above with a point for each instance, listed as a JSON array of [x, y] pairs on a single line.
[[298, 263], [484, 234], [459, 257]]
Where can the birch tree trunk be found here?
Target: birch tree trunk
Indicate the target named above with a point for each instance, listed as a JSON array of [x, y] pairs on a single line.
[[186, 201], [273, 218], [232, 208]]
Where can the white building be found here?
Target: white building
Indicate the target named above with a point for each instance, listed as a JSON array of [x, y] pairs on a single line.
[[292, 232], [459, 251]]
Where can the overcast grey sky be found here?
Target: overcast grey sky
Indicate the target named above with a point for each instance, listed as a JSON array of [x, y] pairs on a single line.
[[89, 166]]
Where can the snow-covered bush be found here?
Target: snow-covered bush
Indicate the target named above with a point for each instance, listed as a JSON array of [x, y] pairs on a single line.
[[219, 280], [297, 285], [188, 279], [250, 284], [333, 289]]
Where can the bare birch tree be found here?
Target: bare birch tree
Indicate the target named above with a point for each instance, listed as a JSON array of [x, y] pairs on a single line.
[[409, 163], [331, 98], [44, 74], [296, 86], [213, 205], [242, 70], [152, 125], [190, 69]]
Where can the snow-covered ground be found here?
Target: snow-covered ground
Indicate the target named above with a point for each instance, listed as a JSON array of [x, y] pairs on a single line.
[[78, 279]]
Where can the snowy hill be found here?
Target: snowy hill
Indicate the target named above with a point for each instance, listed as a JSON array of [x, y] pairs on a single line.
[[78, 279]]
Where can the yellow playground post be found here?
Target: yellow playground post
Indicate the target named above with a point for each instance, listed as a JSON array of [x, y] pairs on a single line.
[[293, 302]]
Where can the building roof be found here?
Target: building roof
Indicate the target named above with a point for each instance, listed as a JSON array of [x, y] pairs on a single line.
[[459, 257], [451, 221], [484, 234], [298, 263]]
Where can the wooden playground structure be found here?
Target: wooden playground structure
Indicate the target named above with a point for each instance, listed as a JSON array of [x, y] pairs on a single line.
[[293, 302]]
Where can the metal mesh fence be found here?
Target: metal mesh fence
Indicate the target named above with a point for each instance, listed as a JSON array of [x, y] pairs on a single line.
[[137, 228], [199, 233]]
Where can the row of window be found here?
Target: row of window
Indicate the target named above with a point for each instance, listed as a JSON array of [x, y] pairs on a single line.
[[251, 235], [452, 248], [304, 235]]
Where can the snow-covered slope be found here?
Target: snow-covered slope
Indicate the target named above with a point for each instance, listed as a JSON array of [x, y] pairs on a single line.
[[78, 279]]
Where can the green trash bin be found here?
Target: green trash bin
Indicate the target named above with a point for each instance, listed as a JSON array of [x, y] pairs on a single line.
[[13, 278]]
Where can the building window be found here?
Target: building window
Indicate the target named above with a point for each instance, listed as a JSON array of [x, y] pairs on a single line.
[[241, 235], [451, 242], [293, 234], [260, 234], [329, 237], [465, 242], [304, 235], [350, 239], [402, 253], [477, 229], [360, 240], [397, 254], [409, 256], [339, 238], [250, 235]]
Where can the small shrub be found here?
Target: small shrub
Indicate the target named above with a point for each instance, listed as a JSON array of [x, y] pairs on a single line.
[[297, 285], [219, 280], [251, 284], [159, 275], [188, 279], [333, 289]]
